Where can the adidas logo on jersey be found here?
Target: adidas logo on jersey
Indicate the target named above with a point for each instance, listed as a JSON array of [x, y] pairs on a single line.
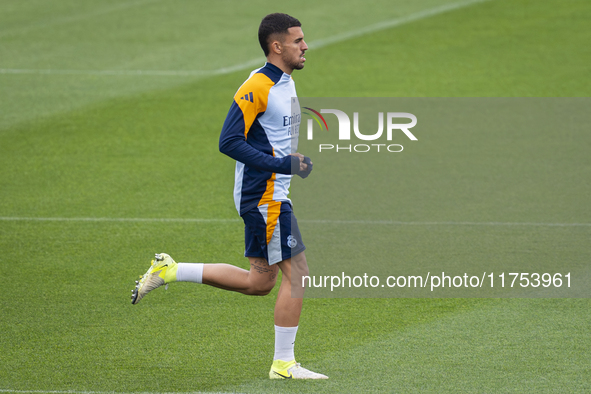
[[248, 97]]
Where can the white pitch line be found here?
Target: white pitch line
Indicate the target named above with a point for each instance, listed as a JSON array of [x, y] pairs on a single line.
[[104, 392], [160, 73], [395, 222], [151, 220], [152, 73], [258, 61], [393, 23], [312, 221]]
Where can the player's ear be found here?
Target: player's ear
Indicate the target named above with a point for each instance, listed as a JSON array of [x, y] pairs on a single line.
[[276, 47]]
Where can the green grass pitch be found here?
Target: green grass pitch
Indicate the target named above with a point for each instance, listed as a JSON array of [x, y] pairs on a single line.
[[79, 142]]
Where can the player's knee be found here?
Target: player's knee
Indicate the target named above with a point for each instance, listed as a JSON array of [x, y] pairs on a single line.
[[261, 289]]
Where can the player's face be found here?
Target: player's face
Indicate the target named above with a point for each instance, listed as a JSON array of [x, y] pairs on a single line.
[[294, 48]]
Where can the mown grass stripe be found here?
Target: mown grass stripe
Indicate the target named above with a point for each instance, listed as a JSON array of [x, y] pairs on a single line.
[[376, 27]]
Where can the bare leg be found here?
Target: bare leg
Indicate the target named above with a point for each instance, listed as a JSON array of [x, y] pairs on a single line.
[[288, 307], [260, 280]]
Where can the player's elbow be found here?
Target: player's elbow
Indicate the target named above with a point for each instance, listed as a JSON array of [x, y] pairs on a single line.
[[228, 146], [223, 146]]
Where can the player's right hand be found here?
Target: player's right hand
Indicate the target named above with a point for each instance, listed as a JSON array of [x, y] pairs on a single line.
[[306, 165]]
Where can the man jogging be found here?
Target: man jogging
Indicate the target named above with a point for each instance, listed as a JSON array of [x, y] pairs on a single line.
[[260, 132]]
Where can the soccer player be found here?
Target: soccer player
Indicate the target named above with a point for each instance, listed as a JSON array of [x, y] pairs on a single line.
[[260, 133]]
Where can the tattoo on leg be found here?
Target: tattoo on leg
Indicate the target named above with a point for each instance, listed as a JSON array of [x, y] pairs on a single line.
[[261, 266]]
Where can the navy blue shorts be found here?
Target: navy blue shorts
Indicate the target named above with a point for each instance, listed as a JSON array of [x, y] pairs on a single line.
[[271, 231]]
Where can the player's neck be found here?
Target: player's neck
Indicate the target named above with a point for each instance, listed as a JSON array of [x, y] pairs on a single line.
[[277, 62]]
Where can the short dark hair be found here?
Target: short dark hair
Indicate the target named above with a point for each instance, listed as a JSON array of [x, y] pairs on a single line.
[[277, 23]]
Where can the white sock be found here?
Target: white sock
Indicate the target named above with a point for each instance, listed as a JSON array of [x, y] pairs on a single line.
[[190, 272], [284, 343]]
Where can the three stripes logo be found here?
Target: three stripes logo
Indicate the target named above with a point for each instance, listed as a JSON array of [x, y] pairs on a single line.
[[248, 97]]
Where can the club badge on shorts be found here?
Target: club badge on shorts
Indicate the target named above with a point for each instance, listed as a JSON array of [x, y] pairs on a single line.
[[291, 241]]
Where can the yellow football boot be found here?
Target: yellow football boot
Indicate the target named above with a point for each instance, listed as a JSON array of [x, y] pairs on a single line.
[[292, 370], [161, 272]]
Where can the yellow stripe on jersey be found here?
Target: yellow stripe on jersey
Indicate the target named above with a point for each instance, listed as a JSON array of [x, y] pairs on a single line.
[[269, 191], [273, 207], [273, 211], [252, 98]]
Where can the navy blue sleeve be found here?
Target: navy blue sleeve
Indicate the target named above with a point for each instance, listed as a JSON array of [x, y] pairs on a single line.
[[233, 143]]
